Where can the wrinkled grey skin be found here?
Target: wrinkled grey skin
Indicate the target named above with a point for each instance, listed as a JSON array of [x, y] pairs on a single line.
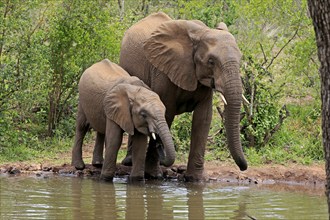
[[183, 61], [111, 102]]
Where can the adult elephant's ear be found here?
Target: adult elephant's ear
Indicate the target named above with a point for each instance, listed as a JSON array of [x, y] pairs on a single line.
[[137, 82], [117, 107], [222, 26], [170, 49]]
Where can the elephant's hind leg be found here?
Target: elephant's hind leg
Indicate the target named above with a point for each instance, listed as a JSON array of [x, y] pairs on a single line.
[[127, 161], [98, 150], [81, 130]]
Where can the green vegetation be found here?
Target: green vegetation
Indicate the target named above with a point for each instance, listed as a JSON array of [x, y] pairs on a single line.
[[45, 45]]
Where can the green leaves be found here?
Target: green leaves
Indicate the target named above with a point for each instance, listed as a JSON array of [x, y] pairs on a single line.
[[44, 48], [181, 131], [46, 45]]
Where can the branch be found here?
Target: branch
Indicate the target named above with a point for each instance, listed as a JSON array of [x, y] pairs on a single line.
[[283, 116], [64, 102], [38, 24], [5, 96], [7, 9], [271, 49], [221, 113], [278, 91], [263, 52], [121, 5], [286, 44]]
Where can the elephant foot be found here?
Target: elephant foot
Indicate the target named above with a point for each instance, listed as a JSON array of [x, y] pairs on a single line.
[[135, 179], [106, 178], [127, 161], [79, 165], [157, 176], [97, 163], [196, 177], [153, 172]]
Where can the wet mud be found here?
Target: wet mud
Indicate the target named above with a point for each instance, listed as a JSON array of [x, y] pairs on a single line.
[[266, 175]]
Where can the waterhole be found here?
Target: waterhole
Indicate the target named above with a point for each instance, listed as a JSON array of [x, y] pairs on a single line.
[[58, 197]]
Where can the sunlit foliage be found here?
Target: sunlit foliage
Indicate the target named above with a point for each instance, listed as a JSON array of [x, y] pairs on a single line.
[[45, 45]]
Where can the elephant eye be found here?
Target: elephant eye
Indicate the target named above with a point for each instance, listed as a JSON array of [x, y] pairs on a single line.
[[143, 114], [210, 62]]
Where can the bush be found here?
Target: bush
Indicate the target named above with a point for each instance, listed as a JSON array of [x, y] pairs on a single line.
[[181, 131], [46, 45]]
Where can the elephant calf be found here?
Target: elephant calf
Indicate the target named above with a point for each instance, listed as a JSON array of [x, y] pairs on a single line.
[[111, 102]]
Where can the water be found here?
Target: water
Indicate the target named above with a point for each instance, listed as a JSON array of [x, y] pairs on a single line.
[[58, 197]]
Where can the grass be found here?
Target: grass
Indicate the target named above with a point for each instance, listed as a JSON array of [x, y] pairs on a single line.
[[56, 151], [23, 153]]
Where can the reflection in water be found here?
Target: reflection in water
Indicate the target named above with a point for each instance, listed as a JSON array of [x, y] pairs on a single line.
[[104, 197], [195, 201], [135, 202], [92, 199], [76, 198]]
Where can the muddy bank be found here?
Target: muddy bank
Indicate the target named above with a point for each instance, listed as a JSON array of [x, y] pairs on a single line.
[[293, 174], [268, 174]]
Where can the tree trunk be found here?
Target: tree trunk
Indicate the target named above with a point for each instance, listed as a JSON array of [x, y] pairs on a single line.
[[121, 5], [53, 114], [54, 100], [320, 13]]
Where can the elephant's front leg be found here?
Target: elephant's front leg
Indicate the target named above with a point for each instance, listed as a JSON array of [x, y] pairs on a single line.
[[113, 140], [139, 149], [152, 163], [201, 121], [98, 150]]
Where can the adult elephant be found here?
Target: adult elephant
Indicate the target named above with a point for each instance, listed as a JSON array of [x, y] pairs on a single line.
[[183, 61], [111, 102]]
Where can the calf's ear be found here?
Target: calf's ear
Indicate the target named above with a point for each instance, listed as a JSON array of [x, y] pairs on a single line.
[[117, 107]]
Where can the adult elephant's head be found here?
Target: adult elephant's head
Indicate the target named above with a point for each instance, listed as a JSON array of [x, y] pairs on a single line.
[[191, 53], [136, 107]]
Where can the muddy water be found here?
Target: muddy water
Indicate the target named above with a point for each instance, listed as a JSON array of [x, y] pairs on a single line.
[[58, 197]]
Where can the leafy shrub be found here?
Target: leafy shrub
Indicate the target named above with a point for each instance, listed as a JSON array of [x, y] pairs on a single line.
[[46, 45], [181, 131], [262, 116]]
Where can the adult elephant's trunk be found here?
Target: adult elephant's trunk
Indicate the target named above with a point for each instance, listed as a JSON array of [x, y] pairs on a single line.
[[168, 144], [233, 95]]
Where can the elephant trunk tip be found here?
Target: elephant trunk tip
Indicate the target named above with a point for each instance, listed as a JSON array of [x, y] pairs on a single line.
[[168, 162], [242, 165]]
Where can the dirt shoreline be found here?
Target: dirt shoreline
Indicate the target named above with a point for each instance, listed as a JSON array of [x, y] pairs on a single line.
[[268, 174], [293, 174]]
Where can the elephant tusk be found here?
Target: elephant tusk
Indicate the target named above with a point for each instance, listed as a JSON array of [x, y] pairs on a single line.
[[153, 135], [245, 100], [223, 98]]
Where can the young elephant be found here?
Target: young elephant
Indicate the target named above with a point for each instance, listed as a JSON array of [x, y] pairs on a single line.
[[111, 102]]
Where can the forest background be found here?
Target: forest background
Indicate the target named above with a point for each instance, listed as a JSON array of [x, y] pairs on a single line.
[[45, 45]]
